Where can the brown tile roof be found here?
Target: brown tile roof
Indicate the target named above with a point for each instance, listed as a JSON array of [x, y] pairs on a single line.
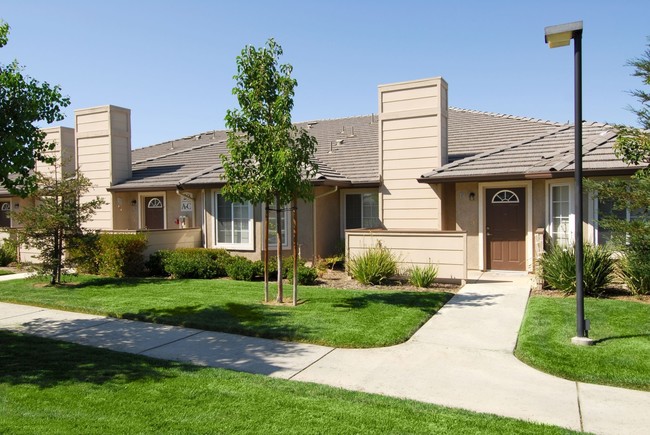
[[546, 155], [348, 150]]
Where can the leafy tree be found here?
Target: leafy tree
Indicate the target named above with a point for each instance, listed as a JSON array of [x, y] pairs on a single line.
[[270, 158], [54, 221], [633, 147], [24, 102]]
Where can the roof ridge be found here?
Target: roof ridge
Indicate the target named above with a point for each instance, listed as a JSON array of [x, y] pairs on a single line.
[[506, 116], [178, 139], [175, 152], [496, 150], [197, 174], [335, 119]]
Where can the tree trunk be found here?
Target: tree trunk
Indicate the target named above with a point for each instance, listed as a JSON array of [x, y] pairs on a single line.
[[294, 225], [278, 240], [266, 251]]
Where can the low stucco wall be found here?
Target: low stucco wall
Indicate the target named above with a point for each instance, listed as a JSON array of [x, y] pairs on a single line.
[[445, 249], [172, 239]]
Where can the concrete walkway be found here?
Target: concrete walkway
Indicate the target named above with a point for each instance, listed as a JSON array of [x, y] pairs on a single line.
[[462, 357]]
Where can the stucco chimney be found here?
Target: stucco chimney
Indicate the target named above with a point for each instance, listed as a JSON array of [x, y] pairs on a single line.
[[103, 146], [412, 141], [64, 152]]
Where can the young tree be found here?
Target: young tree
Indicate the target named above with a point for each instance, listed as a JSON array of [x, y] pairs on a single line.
[[24, 102], [55, 219], [270, 158]]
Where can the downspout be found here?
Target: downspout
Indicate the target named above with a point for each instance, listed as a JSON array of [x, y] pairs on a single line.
[[204, 228], [316, 198]]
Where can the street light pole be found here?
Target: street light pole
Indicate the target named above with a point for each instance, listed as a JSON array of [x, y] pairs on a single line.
[[559, 36]]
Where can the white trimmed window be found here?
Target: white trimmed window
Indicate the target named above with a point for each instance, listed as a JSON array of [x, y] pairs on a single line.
[[234, 224], [604, 209], [561, 225], [361, 210], [5, 208]]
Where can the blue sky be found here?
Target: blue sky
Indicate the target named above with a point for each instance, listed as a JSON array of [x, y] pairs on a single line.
[[172, 62]]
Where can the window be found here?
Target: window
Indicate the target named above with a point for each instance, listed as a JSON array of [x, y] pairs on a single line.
[[285, 221], [5, 208], [605, 209], [561, 216], [234, 224], [505, 197], [361, 210]]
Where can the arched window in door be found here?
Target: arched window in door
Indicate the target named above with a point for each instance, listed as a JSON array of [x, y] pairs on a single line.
[[505, 197]]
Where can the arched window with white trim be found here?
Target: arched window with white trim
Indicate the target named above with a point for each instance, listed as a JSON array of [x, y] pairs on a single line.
[[505, 196]]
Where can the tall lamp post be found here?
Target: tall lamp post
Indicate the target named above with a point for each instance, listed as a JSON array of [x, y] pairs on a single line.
[[560, 36]]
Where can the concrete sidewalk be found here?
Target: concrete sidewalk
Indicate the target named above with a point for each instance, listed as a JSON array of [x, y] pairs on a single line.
[[462, 357]]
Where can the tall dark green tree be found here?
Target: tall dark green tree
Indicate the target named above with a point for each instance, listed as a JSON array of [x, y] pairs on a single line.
[[55, 218], [24, 102], [270, 159]]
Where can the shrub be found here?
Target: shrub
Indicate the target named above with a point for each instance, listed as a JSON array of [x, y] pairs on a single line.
[[374, 266], [120, 255], [156, 263], [242, 269], [192, 263], [634, 270], [83, 253], [7, 252], [306, 275], [423, 276], [558, 268]]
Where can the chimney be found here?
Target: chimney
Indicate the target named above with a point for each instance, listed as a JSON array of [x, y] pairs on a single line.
[[412, 141], [64, 152], [103, 145]]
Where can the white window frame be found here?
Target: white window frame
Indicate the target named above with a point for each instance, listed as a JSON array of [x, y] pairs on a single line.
[[286, 230], [549, 209], [345, 193], [142, 207], [594, 217], [248, 246]]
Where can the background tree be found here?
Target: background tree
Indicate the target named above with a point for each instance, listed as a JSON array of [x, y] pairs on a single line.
[[55, 218], [270, 158], [24, 102], [632, 196]]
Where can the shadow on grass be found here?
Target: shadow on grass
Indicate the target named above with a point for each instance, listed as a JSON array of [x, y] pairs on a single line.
[[48, 363], [252, 320], [427, 302], [621, 337]]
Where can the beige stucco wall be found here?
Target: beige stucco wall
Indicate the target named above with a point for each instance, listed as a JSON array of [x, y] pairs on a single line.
[[412, 141], [172, 239], [103, 149], [328, 221], [64, 152], [444, 249]]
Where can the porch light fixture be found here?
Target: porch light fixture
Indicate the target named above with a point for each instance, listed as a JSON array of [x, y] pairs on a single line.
[[561, 36]]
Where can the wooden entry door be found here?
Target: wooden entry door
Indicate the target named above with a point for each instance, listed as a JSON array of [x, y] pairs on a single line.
[[154, 212], [506, 229]]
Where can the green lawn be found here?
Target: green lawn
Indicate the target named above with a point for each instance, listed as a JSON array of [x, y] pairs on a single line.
[[340, 318], [5, 272], [54, 387], [621, 356]]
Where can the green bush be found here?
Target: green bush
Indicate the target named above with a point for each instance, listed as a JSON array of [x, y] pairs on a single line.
[[7, 252], [423, 276], [120, 255], [83, 253], [374, 266], [190, 263], [634, 270], [306, 275], [242, 269], [558, 268]]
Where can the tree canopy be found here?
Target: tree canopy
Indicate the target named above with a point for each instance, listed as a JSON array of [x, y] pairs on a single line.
[[25, 102]]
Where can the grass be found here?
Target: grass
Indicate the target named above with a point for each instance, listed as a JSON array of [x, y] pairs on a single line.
[[62, 388], [340, 318], [621, 356], [5, 272]]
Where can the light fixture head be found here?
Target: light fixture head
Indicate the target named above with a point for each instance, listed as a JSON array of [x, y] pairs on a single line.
[[562, 34]]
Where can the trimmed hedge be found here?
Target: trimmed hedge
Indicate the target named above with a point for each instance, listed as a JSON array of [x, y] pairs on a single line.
[[7, 252], [306, 275], [189, 263], [242, 269], [120, 255]]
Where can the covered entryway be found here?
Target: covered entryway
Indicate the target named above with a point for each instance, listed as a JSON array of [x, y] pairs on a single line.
[[154, 212], [506, 229]]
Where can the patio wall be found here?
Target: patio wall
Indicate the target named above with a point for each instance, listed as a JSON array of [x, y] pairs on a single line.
[[444, 249]]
